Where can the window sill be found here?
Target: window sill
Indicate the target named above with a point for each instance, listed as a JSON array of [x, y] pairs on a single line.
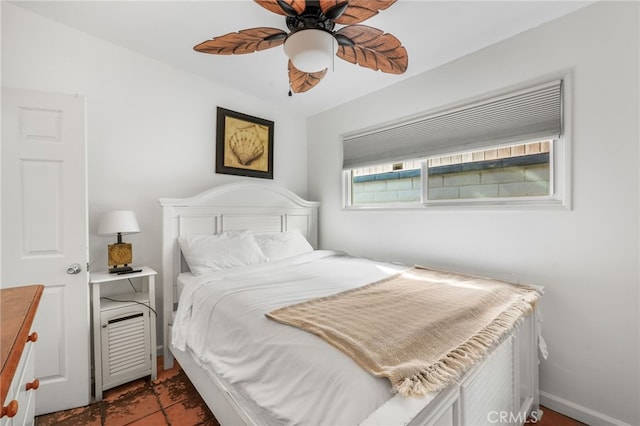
[[511, 204]]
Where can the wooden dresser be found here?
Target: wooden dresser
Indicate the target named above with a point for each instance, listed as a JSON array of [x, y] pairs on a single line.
[[18, 307]]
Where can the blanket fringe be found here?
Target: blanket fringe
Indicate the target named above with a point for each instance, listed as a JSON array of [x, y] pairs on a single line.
[[459, 360]]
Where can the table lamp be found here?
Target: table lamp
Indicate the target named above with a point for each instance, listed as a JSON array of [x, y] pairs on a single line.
[[119, 222]]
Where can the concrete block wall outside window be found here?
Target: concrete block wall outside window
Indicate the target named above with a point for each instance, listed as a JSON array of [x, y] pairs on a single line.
[[387, 189], [522, 176], [517, 181]]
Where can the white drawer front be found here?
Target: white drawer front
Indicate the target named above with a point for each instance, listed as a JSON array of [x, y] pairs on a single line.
[[26, 399]]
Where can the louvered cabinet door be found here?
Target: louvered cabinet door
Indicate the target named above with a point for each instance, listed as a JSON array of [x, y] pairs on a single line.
[[488, 392], [126, 343]]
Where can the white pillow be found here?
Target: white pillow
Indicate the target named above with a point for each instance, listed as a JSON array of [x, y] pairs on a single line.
[[280, 245], [208, 253]]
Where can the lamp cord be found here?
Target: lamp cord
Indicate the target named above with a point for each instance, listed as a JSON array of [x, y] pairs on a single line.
[[134, 301], [134, 287]]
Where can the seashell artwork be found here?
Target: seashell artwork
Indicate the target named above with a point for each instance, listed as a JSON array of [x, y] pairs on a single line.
[[246, 144]]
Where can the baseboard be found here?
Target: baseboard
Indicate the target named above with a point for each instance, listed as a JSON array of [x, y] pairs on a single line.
[[578, 412]]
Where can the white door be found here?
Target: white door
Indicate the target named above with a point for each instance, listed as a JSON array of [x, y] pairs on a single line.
[[44, 232]]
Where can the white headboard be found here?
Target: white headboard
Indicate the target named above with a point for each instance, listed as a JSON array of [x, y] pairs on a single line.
[[259, 207]]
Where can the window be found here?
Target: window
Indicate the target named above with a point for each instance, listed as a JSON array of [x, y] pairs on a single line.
[[509, 149], [507, 172], [513, 172], [386, 184]]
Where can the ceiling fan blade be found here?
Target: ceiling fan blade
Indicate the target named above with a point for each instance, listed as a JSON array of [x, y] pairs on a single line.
[[357, 11], [372, 48], [284, 7], [301, 81], [244, 41]]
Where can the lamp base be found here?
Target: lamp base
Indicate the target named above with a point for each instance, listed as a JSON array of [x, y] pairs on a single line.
[[120, 269]]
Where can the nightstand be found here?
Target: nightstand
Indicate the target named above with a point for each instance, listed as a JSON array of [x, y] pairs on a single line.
[[124, 330]]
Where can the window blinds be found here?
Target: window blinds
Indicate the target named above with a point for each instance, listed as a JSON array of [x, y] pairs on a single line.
[[533, 113]]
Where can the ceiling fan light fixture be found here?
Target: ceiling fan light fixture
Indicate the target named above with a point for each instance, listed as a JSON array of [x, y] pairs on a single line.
[[311, 49]]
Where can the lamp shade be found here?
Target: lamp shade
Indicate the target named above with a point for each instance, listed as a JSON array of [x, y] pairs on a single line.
[[118, 221], [310, 49]]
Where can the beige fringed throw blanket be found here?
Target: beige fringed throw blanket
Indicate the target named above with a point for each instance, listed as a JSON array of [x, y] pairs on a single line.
[[421, 328]]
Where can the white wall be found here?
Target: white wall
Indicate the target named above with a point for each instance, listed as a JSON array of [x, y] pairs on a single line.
[[587, 257], [151, 127]]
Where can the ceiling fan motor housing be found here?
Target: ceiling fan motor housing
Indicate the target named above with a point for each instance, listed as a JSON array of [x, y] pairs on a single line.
[[312, 17]]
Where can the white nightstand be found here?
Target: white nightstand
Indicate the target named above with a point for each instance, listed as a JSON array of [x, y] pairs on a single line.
[[124, 331]]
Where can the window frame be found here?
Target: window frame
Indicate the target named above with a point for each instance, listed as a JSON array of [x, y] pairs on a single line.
[[559, 174], [522, 200]]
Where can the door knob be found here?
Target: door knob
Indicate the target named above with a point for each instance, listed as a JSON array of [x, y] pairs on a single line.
[[74, 269]]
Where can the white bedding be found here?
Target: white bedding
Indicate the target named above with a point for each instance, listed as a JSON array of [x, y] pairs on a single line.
[[182, 281], [221, 320]]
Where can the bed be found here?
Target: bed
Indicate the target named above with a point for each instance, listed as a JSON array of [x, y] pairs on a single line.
[[250, 369]]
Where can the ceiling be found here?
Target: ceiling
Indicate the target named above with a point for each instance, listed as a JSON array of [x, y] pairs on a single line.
[[433, 32]]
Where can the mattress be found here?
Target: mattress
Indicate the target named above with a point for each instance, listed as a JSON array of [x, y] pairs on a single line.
[[281, 374]]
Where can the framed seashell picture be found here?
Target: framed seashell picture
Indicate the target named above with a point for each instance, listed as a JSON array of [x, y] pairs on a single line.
[[244, 145]]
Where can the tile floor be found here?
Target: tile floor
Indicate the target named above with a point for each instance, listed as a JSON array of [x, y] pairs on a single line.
[[169, 400], [552, 418], [172, 400]]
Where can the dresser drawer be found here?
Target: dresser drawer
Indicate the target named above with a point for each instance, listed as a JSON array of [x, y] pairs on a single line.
[[17, 383], [18, 391]]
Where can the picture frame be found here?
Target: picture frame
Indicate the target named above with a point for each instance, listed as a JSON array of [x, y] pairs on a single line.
[[244, 144]]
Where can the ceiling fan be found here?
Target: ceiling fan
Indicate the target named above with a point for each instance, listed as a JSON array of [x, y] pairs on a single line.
[[312, 41]]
